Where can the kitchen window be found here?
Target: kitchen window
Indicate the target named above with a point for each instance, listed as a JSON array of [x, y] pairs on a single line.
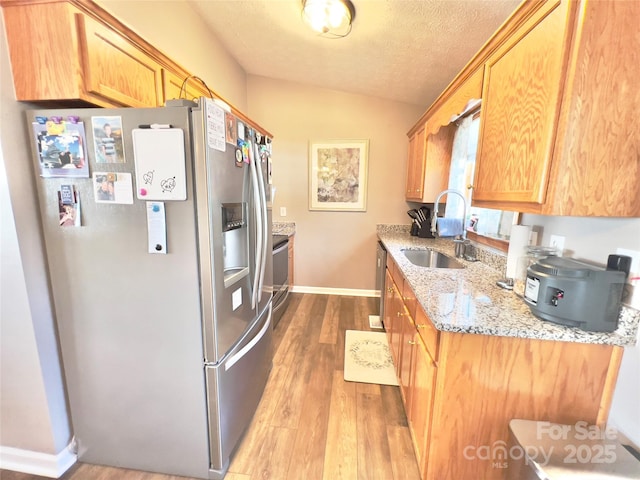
[[486, 222]]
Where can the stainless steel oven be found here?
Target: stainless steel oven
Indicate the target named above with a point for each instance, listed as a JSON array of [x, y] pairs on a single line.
[[280, 276]]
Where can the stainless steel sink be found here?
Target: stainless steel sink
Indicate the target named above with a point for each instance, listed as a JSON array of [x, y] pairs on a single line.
[[431, 259]]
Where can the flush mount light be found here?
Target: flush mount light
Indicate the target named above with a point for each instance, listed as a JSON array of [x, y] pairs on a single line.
[[330, 18]]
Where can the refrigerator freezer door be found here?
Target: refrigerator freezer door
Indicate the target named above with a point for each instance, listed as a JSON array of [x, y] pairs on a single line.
[[226, 282], [230, 303], [234, 389]]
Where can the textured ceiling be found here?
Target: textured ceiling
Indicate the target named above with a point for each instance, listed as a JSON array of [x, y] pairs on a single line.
[[403, 50]]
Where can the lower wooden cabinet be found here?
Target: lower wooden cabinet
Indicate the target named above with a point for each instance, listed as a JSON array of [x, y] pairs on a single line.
[[423, 376], [291, 260], [460, 390]]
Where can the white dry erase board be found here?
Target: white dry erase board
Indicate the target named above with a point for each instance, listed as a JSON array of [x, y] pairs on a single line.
[[160, 163]]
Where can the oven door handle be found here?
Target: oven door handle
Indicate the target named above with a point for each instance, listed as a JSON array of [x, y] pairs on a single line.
[[281, 248]]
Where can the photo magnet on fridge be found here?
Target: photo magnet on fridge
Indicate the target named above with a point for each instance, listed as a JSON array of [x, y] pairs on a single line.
[[69, 206], [61, 147], [107, 139]]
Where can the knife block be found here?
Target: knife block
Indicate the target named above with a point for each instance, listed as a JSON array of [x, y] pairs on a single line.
[[425, 231]]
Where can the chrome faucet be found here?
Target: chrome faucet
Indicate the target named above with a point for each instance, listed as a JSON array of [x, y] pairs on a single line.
[[460, 241]]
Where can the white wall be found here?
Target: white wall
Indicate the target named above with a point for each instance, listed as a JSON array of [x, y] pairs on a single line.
[[594, 239], [33, 412], [334, 249]]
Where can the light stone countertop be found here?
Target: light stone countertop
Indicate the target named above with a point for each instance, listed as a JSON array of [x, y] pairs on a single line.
[[469, 301], [283, 228]]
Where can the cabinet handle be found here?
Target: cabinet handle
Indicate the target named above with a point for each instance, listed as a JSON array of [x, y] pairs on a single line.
[[422, 325], [470, 187], [399, 314], [390, 290], [411, 342]]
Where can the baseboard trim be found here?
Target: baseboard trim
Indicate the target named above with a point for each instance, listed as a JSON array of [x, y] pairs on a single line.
[[37, 463], [350, 292]]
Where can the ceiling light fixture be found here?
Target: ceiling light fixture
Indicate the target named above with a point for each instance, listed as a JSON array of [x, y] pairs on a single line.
[[330, 18]]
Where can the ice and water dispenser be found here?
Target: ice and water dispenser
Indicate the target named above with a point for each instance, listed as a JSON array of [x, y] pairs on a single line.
[[235, 242]]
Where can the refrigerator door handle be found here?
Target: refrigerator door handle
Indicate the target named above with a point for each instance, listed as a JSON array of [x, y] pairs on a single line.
[[233, 359], [259, 226], [263, 198]]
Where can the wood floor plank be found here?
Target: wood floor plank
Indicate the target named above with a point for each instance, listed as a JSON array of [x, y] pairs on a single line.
[[281, 328], [273, 460], [293, 338], [346, 322], [329, 330], [361, 312], [403, 459], [311, 439], [392, 406], [287, 413], [371, 388], [373, 446], [236, 476], [340, 458]]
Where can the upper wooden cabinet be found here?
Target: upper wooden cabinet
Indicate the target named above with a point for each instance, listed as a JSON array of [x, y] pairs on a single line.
[[176, 87], [68, 53], [428, 165], [416, 165], [559, 130], [58, 53], [560, 94], [115, 69], [431, 142], [521, 95]]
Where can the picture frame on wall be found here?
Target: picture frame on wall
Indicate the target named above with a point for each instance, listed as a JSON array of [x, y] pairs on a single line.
[[338, 175]]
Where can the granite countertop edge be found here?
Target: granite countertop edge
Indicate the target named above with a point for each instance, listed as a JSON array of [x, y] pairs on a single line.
[[283, 228], [469, 301]]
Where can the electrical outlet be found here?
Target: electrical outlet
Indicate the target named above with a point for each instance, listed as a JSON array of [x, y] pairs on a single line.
[[283, 211], [557, 241]]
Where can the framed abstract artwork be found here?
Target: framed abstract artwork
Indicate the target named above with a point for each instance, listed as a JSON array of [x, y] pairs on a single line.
[[338, 175]]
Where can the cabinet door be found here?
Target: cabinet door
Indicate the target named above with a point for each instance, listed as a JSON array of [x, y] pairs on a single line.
[[291, 260], [176, 87], [389, 309], [437, 162], [422, 383], [416, 165], [396, 329], [393, 319], [521, 102], [115, 69], [407, 342]]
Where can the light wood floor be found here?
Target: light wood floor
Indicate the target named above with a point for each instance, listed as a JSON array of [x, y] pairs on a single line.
[[310, 424]]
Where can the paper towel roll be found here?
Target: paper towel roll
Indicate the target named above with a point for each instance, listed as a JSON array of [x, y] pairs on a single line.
[[518, 241]]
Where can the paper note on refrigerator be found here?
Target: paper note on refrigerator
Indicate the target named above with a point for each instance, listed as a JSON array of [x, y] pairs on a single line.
[[159, 155], [156, 228], [216, 137]]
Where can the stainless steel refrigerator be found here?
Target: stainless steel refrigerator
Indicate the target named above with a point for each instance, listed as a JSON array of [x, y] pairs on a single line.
[[163, 303]]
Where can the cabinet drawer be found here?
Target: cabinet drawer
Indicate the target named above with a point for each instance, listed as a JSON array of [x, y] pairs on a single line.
[[115, 69], [398, 279], [428, 332], [409, 298]]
